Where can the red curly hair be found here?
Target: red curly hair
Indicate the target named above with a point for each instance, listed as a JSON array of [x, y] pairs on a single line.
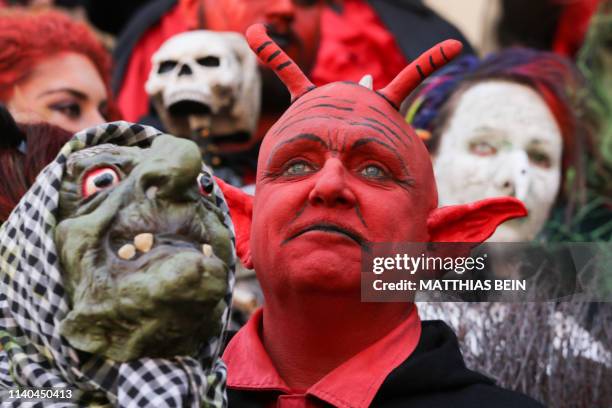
[[27, 37]]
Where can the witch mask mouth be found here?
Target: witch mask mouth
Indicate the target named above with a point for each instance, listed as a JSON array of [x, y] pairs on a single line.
[[144, 250]]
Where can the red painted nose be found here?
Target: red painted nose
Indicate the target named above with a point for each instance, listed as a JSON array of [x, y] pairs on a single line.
[[331, 188]]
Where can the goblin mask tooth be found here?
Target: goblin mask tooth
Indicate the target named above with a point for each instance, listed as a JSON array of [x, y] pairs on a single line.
[[143, 242], [127, 252], [207, 250]]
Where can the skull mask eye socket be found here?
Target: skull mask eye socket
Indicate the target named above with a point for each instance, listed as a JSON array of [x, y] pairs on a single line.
[[166, 66], [209, 61], [99, 179]]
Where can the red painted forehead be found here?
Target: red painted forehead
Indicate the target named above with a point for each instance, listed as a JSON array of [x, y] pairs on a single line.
[[345, 112]]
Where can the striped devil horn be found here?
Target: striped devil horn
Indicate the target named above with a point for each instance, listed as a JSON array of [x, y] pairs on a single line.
[[271, 55], [411, 76]]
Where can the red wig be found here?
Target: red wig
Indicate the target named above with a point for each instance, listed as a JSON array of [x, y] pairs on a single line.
[[28, 37]]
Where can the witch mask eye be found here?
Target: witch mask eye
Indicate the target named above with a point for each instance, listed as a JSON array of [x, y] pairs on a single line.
[[98, 180]]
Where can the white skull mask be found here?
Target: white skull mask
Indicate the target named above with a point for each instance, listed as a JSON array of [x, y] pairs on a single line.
[[210, 75]]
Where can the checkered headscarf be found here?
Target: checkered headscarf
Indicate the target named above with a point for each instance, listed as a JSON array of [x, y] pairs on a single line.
[[33, 301]]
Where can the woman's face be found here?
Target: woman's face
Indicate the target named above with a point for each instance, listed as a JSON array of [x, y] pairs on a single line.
[[501, 140], [65, 90]]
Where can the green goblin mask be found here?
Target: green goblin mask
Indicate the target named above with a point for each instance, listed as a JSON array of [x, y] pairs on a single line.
[[116, 272], [144, 250]]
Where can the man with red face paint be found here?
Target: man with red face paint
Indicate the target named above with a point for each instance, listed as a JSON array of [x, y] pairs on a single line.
[[339, 169]]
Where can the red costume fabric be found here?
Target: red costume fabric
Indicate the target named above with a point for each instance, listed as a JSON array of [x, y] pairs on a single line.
[[353, 384], [356, 43]]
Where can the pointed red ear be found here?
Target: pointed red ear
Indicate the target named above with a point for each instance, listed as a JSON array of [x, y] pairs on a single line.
[[241, 210], [474, 222]]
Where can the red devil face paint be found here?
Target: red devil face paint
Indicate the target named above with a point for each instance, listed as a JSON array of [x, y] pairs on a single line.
[[340, 168], [331, 173], [293, 24]]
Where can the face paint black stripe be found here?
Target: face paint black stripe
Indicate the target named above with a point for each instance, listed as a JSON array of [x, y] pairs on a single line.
[[298, 213], [389, 101], [349, 101], [262, 47], [301, 136], [276, 132], [284, 65], [328, 228], [333, 101], [379, 130], [274, 55], [360, 215], [301, 103], [331, 106], [320, 105], [394, 133], [381, 113]]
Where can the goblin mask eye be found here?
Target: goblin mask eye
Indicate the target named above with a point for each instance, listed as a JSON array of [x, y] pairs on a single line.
[[98, 180], [206, 184]]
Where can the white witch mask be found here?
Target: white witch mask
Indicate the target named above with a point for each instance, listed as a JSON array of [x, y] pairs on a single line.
[[501, 140]]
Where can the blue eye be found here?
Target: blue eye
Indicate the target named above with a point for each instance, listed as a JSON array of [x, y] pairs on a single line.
[[372, 171], [298, 169]]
